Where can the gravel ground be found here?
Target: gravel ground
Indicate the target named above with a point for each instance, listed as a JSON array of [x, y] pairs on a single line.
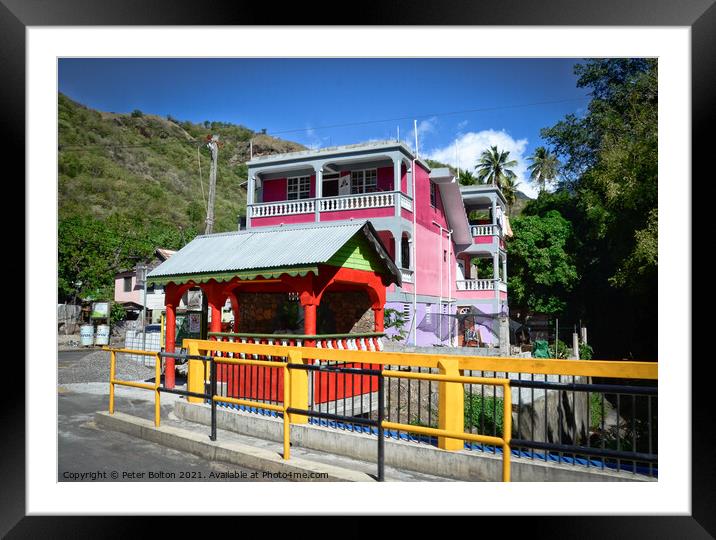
[[84, 367]]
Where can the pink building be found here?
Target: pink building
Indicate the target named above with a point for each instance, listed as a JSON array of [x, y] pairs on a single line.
[[434, 229], [130, 293]]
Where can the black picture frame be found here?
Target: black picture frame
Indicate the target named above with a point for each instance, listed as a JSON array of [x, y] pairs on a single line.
[[699, 15]]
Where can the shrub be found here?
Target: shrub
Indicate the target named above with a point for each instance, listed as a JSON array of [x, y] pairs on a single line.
[[136, 113], [585, 351], [484, 411], [117, 313], [395, 319]]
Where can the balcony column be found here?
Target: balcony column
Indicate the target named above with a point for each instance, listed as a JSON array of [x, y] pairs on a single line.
[[397, 162], [496, 277], [250, 191], [494, 211], [319, 190], [504, 268]]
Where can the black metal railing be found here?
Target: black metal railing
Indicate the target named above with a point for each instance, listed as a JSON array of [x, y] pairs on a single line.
[[570, 420], [329, 378]]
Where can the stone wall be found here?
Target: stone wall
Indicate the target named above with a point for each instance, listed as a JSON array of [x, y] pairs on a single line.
[[265, 313], [345, 312], [338, 313]]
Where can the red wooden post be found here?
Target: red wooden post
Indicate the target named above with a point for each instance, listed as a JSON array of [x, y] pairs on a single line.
[[379, 318], [170, 305], [309, 323]]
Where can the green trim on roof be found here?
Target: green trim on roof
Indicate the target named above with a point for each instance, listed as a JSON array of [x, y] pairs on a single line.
[[358, 254], [266, 273]]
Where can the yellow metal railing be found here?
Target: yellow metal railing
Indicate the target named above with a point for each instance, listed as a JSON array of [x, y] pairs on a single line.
[[503, 441], [450, 426], [219, 399], [268, 406], [114, 381]]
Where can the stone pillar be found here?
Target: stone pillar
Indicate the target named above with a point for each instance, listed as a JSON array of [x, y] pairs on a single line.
[[504, 336]]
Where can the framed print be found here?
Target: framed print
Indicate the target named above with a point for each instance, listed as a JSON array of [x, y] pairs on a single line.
[[39, 40]]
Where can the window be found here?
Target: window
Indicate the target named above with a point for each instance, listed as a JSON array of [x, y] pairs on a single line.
[[299, 187], [428, 313], [433, 195], [128, 284], [405, 252], [364, 181]]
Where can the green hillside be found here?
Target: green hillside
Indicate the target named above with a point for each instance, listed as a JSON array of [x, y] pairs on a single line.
[[129, 183], [145, 167]]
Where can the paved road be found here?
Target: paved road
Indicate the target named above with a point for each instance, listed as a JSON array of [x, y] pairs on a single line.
[[86, 453]]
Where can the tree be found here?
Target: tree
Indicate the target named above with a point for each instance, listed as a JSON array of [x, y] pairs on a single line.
[[466, 178], [542, 273], [509, 190], [544, 167], [609, 180], [494, 167]]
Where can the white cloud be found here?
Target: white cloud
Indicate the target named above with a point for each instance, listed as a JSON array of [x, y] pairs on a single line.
[[470, 145]]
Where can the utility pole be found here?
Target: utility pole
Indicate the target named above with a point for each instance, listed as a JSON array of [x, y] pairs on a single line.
[[214, 148]]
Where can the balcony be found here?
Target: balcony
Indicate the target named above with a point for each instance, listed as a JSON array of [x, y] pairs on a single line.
[[356, 202], [481, 285], [407, 275], [283, 208], [485, 230], [342, 203]]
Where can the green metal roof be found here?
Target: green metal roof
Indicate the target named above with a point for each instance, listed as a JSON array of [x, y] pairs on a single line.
[[271, 252]]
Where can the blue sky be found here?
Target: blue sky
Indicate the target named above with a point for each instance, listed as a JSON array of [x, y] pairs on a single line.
[[296, 98]]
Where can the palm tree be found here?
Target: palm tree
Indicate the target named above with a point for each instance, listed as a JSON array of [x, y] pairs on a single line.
[[544, 167], [509, 190], [494, 167]]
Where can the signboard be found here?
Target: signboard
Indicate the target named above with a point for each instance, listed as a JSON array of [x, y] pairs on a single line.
[[194, 323], [188, 326], [155, 301], [100, 310]]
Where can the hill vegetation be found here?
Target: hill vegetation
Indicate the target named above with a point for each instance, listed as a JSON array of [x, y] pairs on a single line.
[[129, 183]]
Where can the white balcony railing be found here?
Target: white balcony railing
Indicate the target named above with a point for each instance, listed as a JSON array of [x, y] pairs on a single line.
[[356, 202], [484, 230], [406, 202], [476, 285], [283, 208], [407, 275], [480, 285]]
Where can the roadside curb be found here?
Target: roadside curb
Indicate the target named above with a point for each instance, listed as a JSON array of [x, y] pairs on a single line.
[[231, 452]]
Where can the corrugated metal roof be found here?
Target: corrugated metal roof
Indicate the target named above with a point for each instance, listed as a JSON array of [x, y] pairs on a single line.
[[259, 248]]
